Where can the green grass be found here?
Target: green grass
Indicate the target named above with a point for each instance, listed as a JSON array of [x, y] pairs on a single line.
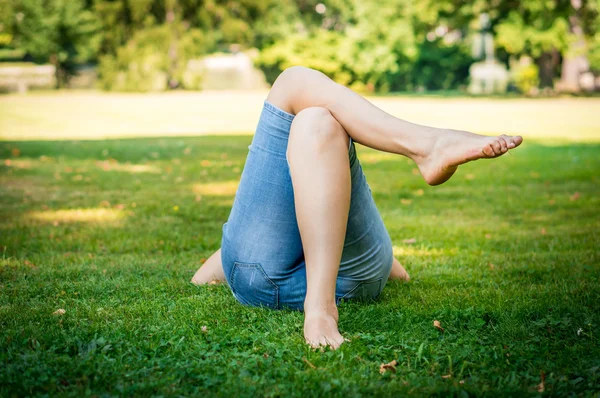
[[506, 258]]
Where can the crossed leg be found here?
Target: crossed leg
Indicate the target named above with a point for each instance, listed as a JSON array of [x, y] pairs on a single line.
[[327, 114]]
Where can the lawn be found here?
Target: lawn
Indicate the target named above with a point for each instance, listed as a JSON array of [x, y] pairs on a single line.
[[505, 256]]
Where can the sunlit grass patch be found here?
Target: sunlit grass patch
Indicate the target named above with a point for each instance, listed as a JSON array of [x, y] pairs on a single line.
[[113, 165], [98, 215], [218, 188], [412, 248], [19, 163], [376, 157]]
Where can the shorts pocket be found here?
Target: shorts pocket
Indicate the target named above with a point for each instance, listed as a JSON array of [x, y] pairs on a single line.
[[251, 285], [349, 289]]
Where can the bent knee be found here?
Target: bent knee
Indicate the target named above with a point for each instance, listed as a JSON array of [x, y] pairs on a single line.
[[318, 126], [289, 85]]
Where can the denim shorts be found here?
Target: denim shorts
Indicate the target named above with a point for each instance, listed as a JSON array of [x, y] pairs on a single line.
[[261, 248]]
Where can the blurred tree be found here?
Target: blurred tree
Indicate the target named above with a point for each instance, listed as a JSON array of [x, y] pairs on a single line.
[[441, 66], [545, 30], [367, 48], [372, 46], [62, 32]]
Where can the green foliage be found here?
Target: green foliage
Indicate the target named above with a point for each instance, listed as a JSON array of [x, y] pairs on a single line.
[[525, 77], [594, 53], [133, 322], [62, 32], [372, 46], [320, 51], [519, 36], [368, 55], [144, 63], [441, 66]]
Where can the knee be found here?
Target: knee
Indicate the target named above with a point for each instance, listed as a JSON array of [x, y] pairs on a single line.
[[293, 75], [317, 128], [289, 85]]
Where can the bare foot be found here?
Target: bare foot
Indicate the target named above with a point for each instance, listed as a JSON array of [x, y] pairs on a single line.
[[211, 272], [320, 326], [458, 147], [398, 272]]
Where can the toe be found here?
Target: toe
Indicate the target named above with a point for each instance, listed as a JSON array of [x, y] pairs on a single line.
[[514, 142], [488, 151], [503, 143], [518, 140], [337, 342], [323, 341], [496, 147]]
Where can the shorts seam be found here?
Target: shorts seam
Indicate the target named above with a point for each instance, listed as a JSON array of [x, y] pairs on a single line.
[[278, 111]]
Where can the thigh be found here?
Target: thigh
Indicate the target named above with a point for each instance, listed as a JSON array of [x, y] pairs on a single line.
[[367, 256], [261, 246]]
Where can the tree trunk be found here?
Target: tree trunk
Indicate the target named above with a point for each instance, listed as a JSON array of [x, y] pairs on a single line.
[[172, 54], [57, 70], [548, 65], [574, 60]]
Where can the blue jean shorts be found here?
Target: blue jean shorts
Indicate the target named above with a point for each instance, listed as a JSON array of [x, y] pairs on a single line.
[[261, 248]]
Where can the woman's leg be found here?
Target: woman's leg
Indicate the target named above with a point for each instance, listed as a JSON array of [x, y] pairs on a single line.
[[319, 167], [437, 152]]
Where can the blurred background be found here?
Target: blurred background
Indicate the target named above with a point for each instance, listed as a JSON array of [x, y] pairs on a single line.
[[452, 48], [372, 46]]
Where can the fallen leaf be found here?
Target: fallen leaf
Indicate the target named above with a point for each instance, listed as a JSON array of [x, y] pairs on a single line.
[[308, 363], [542, 386], [205, 163], [462, 382], [575, 196], [410, 241], [470, 176], [492, 266], [488, 236], [415, 172], [446, 376], [543, 231], [388, 366], [59, 311], [187, 151], [419, 192], [438, 326], [214, 282], [551, 202], [406, 202], [16, 152], [204, 329], [265, 355]]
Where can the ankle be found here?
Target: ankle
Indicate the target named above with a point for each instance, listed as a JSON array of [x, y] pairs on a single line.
[[320, 304]]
